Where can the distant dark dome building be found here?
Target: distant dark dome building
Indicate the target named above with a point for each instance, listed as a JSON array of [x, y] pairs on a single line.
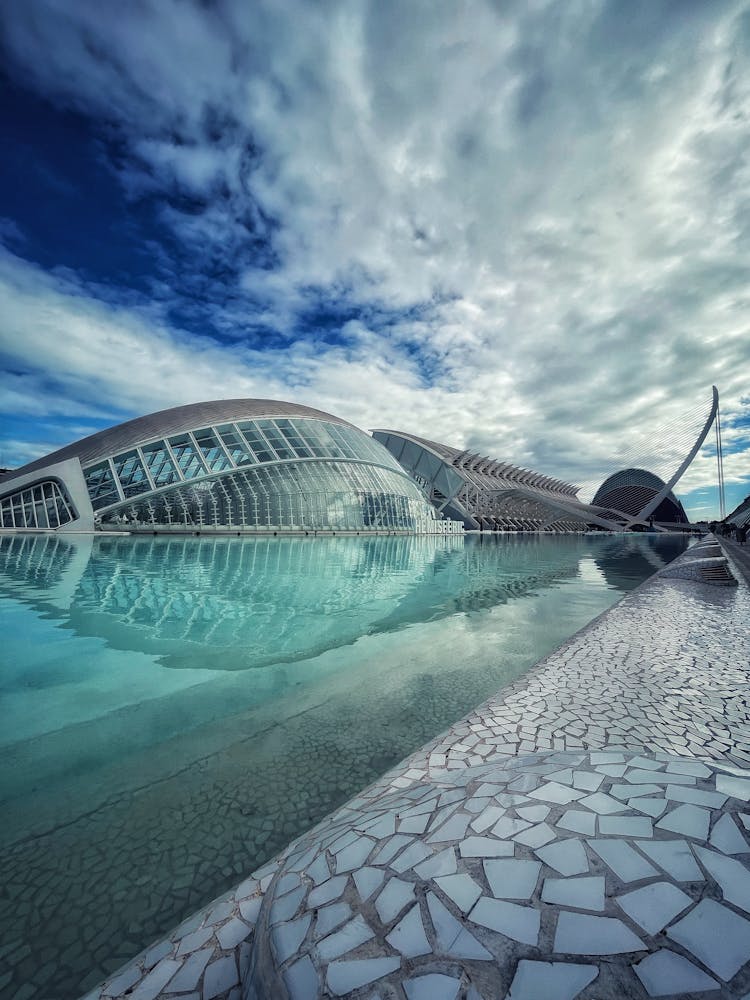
[[630, 490], [220, 465]]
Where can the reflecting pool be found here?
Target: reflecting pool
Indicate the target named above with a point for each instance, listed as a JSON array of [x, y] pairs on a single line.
[[174, 710]]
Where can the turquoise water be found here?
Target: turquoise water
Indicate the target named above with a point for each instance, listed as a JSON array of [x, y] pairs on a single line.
[[174, 710]]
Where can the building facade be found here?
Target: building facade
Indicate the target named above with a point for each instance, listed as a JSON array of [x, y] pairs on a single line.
[[486, 494], [243, 464], [633, 490]]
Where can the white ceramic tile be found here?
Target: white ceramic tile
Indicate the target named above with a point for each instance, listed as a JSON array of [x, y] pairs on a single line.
[[383, 826], [510, 878], [647, 777], [691, 821], [467, 946], [486, 818], [667, 974], [626, 863], [646, 763], [612, 770], [696, 796], [566, 856], [716, 935], [693, 767], [447, 927], [318, 870], [410, 857], [654, 906], [564, 776], [509, 827], [578, 821], [330, 917], [453, 829], [367, 880], [414, 824], [345, 977], [286, 883], [603, 804], [284, 909], [476, 806], [350, 936], [443, 863], [433, 986], [302, 980], [391, 848], [732, 876], [738, 788], [393, 899], [652, 807], [485, 847], [586, 893], [553, 791], [627, 791], [726, 837], [332, 889], [625, 826], [550, 980], [462, 889], [451, 937], [587, 781], [583, 934], [675, 857], [534, 814], [408, 936], [537, 836], [286, 938], [520, 923]]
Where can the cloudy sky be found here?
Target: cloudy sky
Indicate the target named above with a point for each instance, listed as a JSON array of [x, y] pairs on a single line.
[[521, 228]]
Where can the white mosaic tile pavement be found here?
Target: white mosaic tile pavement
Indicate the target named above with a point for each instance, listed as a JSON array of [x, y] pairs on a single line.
[[665, 672], [611, 915]]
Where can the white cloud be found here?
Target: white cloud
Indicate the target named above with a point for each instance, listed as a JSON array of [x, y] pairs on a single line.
[[560, 191]]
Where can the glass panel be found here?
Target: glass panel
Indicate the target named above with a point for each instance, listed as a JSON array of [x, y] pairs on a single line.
[[317, 435], [261, 448], [294, 439], [235, 445], [342, 436], [187, 458], [159, 463], [276, 438], [51, 506], [213, 454], [37, 507], [131, 474], [101, 485]]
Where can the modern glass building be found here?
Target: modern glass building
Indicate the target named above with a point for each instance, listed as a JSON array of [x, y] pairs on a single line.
[[491, 495], [486, 494], [241, 464], [632, 490]]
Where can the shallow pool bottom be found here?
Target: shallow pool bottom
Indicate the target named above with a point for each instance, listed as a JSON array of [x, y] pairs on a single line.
[[112, 840]]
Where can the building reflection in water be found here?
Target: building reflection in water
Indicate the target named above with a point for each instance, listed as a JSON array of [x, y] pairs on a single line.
[[224, 603]]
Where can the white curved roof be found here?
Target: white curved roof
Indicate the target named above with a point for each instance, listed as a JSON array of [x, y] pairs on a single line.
[[175, 420]]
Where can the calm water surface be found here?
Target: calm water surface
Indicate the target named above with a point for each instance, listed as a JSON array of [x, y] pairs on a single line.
[[174, 710]]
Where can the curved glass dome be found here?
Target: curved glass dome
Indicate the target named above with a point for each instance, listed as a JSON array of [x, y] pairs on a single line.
[[630, 490], [241, 464]]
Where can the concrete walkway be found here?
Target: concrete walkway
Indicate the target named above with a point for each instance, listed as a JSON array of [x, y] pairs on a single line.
[[739, 554], [611, 782]]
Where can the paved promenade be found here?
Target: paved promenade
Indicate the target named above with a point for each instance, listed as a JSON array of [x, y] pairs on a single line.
[[584, 833], [740, 554]]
